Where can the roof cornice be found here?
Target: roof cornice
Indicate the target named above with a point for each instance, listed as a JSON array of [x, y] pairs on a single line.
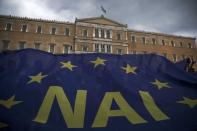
[[161, 34], [103, 17], [34, 19]]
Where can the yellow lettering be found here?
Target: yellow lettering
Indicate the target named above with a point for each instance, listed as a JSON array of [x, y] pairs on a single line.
[[152, 108], [72, 119], [125, 110]]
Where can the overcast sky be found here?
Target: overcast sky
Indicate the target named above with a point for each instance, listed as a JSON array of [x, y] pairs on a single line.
[[177, 17]]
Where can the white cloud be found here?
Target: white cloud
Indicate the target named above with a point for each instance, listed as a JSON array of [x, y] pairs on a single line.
[[35, 9], [143, 28], [44, 9], [156, 16], [185, 33]]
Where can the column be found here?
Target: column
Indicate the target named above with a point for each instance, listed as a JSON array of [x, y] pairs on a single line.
[[99, 33], [127, 50], [105, 32], [99, 47], [126, 34], [93, 32], [111, 48], [105, 48], [111, 34], [93, 47]]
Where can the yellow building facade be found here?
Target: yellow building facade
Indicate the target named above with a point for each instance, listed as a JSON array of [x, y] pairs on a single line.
[[90, 35]]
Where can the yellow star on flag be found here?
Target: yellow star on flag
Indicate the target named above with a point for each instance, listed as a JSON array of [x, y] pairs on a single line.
[[98, 61], [37, 78], [187, 101], [2, 125], [9, 102], [129, 69], [67, 65], [160, 84]]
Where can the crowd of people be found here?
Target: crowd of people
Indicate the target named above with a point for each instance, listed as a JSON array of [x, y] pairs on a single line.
[[189, 67]]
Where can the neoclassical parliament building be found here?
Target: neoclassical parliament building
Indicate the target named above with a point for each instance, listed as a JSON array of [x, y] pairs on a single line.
[[89, 35]]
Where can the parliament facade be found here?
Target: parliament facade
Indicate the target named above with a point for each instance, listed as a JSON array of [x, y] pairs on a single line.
[[89, 35]]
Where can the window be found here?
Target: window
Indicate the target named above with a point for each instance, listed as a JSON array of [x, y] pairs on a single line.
[[134, 52], [96, 33], [108, 48], [174, 57], [53, 31], [189, 45], [102, 33], [102, 48], [143, 40], [85, 33], [24, 28], [108, 34], [66, 32], [119, 51], [133, 39], [8, 27], [172, 44], [85, 48], [96, 47], [153, 41], [39, 29], [163, 42], [66, 49], [118, 36], [5, 44], [51, 48], [21, 45], [181, 44], [37, 46], [71, 47]]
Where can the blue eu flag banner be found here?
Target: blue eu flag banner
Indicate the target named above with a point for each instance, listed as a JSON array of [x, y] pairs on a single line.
[[95, 92]]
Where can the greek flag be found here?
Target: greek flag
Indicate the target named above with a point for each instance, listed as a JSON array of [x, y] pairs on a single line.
[[103, 9]]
